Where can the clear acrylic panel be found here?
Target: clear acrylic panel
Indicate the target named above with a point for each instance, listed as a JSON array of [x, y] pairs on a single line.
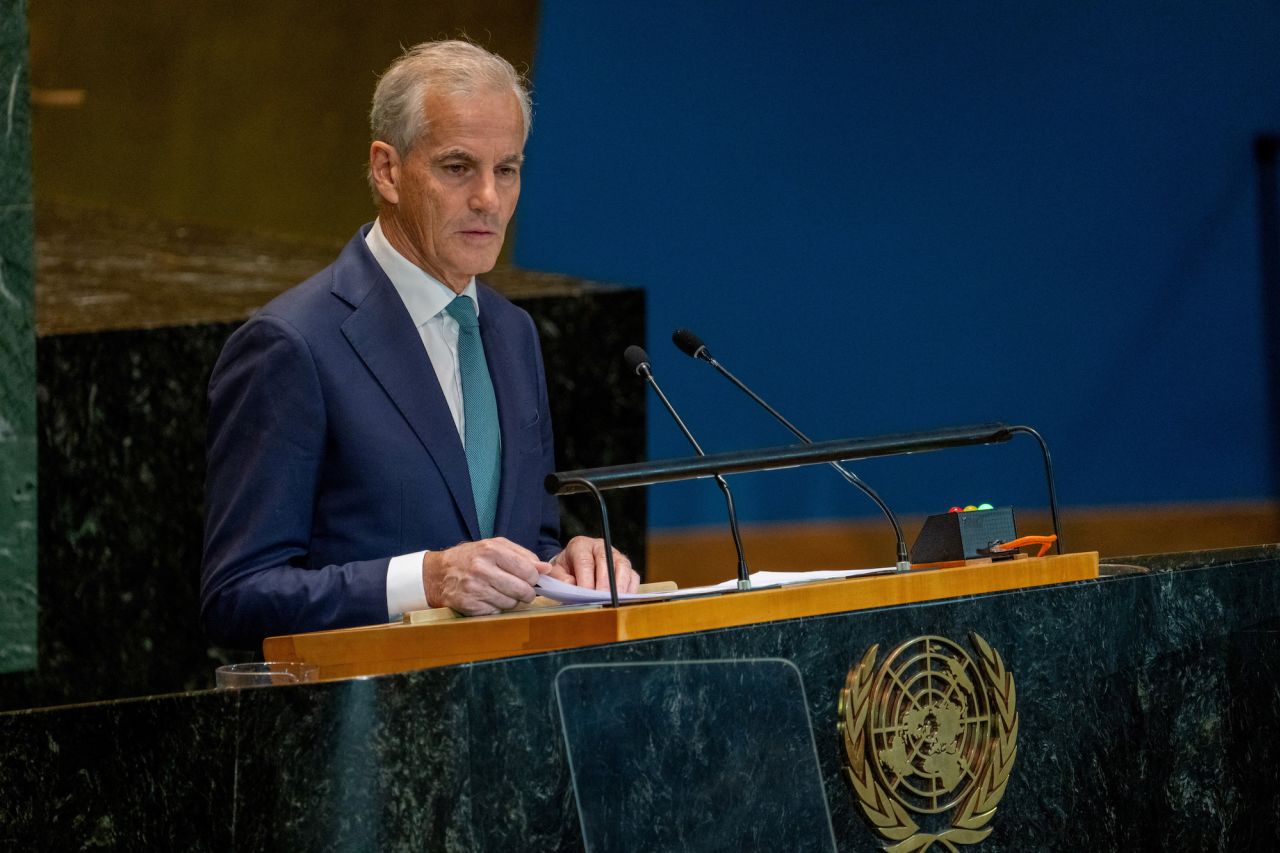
[[693, 755]]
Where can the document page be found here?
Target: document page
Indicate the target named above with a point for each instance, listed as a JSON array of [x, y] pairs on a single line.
[[569, 594]]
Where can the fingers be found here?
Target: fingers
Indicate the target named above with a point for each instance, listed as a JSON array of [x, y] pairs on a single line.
[[559, 573], [585, 559], [625, 577], [628, 580], [601, 565], [513, 559], [493, 575], [482, 577], [577, 558]]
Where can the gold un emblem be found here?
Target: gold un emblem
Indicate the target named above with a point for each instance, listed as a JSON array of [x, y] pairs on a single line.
[[931, 730]]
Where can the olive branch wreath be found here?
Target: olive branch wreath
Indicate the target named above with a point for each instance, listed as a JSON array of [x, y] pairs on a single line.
[[885, 814]]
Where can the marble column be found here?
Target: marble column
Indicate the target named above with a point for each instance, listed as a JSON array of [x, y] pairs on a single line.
[[17, 353]]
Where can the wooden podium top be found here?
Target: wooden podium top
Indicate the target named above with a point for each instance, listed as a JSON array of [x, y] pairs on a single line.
[[401, 646]]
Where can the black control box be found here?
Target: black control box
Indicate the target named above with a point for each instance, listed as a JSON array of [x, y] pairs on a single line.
[[951, 537]]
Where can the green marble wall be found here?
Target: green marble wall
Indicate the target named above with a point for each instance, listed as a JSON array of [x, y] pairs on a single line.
[[17, 352]]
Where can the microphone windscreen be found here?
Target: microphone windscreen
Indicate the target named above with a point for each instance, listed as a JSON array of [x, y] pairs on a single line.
[[636, 358], [688, 342]]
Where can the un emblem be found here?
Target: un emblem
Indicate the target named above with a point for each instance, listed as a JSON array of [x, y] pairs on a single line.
[[931, 730]]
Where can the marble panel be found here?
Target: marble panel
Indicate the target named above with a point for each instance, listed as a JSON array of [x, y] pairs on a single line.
[[17, 352], [1253, 675], [370, 764], [1197, 559], [597, 405], [154, 774], [120, 515], [1146, 707]]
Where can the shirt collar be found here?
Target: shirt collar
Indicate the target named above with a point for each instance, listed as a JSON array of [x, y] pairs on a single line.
[[423, 294]]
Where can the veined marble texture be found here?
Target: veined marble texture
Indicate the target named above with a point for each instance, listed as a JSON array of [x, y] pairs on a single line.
[[1147, 706], [17, 352]]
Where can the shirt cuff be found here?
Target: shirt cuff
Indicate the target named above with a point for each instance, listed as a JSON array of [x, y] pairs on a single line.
[[405, 592]]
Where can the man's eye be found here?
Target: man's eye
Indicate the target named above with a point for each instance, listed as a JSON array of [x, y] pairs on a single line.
[[455, 168], [508, 171]]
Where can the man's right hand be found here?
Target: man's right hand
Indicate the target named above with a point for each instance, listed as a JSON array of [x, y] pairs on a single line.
[[478, 578]]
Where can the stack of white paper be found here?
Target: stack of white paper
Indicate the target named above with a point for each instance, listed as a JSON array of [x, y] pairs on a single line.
[[569, 594]]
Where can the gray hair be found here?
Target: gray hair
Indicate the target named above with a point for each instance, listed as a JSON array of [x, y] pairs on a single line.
[[397, 116]]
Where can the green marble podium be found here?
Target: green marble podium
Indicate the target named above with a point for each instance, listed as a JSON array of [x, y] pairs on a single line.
[[1148, 702]]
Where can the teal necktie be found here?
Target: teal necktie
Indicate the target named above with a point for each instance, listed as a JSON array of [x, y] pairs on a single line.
[[482, 438]]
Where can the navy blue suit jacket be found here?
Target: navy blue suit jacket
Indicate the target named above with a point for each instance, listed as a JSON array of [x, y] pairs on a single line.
[[331, 449]]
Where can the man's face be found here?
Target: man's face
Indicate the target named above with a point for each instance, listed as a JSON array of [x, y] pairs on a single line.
[[457, 189]]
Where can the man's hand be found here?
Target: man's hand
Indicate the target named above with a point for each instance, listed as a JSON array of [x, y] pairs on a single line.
[[582, 562], [478, 578]]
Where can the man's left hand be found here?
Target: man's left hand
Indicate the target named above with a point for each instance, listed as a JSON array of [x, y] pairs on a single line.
[[582, 563]]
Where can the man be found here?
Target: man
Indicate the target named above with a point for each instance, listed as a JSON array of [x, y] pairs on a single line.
[[379, 435]]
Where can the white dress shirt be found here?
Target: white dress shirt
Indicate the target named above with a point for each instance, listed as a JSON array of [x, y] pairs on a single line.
[[426, 298]]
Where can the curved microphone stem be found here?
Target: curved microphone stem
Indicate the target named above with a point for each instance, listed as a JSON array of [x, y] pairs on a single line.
[[904, 561], [744, 577], [1048, 476], [608, 540]]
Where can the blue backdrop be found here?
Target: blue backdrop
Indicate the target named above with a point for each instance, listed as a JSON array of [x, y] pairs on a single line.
[[891, 216]]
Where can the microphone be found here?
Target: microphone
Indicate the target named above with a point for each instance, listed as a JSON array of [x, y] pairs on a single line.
[[638, 360], [691, 345]]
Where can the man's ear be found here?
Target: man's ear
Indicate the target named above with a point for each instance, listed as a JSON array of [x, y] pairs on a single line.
[[384, 167]]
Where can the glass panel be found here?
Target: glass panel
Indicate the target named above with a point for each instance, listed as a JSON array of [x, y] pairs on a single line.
[[696, 755]]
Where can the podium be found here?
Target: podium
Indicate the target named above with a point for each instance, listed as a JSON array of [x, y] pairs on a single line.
[[399, 647], [1145, 697]]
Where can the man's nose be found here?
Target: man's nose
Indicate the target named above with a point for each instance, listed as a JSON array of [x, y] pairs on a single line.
[[484, 193]]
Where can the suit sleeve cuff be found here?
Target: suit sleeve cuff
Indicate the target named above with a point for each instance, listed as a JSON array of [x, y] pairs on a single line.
[[405, 592]]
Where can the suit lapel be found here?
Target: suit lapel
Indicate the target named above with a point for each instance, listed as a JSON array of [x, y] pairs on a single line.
[[383, 335], [506, 376]]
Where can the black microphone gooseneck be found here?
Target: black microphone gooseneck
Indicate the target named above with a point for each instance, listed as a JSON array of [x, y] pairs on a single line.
[[691, 345], [638, 360]]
